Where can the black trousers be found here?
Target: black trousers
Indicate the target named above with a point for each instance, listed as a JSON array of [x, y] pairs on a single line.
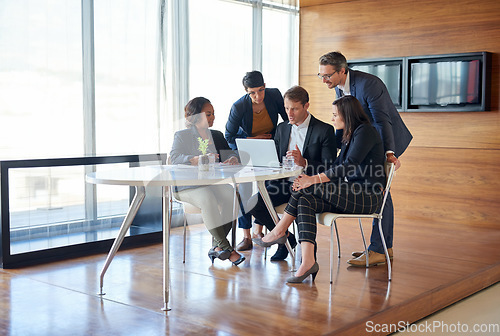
[[340, 197], [279, 192]]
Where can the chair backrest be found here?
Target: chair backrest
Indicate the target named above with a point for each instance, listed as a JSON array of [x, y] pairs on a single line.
[[390, 168], [188, 207]]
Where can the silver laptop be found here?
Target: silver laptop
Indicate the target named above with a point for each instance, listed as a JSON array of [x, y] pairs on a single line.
[[258, 152]]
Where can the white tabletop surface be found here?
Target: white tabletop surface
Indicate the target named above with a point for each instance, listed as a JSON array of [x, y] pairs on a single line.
[[184, 175]]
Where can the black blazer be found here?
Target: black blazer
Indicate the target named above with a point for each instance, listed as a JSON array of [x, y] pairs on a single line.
[[240, 121], [362, 159], [185, 146], [376, 101], [320, 149]]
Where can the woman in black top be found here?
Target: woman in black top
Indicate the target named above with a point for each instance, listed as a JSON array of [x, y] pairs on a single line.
[[353, 185]]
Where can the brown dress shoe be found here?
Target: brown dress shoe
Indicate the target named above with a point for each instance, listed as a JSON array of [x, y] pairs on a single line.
[[359, 254], [244, 245], [374, 259]]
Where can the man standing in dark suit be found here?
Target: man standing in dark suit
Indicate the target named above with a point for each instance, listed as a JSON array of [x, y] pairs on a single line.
[[374, 97], [310, 142]]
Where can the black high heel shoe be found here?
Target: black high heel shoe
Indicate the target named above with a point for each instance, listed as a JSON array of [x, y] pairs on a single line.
[[222, 255], [312, 271], [240, 259]]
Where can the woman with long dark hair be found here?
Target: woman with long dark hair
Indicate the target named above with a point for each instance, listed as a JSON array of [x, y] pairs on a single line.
[[353, 185]]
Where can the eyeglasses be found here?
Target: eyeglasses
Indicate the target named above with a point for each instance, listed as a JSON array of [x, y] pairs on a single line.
[[320, 76]]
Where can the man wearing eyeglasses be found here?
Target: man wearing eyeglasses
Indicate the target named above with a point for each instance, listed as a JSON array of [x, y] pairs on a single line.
[[377, 103]]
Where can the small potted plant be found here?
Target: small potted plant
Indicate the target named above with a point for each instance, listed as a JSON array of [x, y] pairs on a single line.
[[203, 160]]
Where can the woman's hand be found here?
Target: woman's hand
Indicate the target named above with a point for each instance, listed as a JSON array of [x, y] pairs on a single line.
[[233, 160], [194, 160], [302, 181]]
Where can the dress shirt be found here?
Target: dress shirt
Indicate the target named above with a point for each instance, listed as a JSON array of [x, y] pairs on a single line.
[[298, 134], [298, 137], [346, 89]]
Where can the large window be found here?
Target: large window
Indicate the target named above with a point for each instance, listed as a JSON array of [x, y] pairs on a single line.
[[47, 208], [220, 52], [126, 68], [111, 77], [222, 39], [45, 205], [41, 86], [40, 79], [279, 48]]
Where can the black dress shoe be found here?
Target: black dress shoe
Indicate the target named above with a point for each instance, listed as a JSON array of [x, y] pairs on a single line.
[[281, 253], [292, 240]]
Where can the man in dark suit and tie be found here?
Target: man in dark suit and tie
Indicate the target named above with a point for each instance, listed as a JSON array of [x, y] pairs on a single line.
[[310, 142], [374, 97]]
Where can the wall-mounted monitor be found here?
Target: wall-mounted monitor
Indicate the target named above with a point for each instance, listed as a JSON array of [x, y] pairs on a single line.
[[390, 71], [458, 82]]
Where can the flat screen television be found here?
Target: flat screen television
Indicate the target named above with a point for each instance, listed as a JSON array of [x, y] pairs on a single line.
[[448, 82], [390, 71]]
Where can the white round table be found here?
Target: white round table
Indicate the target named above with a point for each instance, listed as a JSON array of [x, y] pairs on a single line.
[[167, 176]]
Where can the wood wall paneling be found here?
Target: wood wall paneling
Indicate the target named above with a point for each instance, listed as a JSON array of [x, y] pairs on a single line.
[[448, 186], [450, 171]]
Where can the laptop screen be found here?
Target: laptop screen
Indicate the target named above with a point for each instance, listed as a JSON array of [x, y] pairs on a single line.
[[258, 152]]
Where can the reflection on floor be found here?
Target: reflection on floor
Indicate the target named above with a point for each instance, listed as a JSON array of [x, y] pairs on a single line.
[[429, 272]]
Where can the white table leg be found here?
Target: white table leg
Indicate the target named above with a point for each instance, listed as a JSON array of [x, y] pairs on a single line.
[[236, 202], [261, 185], [166, 249], [140, 193]]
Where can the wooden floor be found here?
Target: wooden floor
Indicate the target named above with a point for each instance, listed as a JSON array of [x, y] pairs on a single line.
[[432, 268], [478, 314]]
